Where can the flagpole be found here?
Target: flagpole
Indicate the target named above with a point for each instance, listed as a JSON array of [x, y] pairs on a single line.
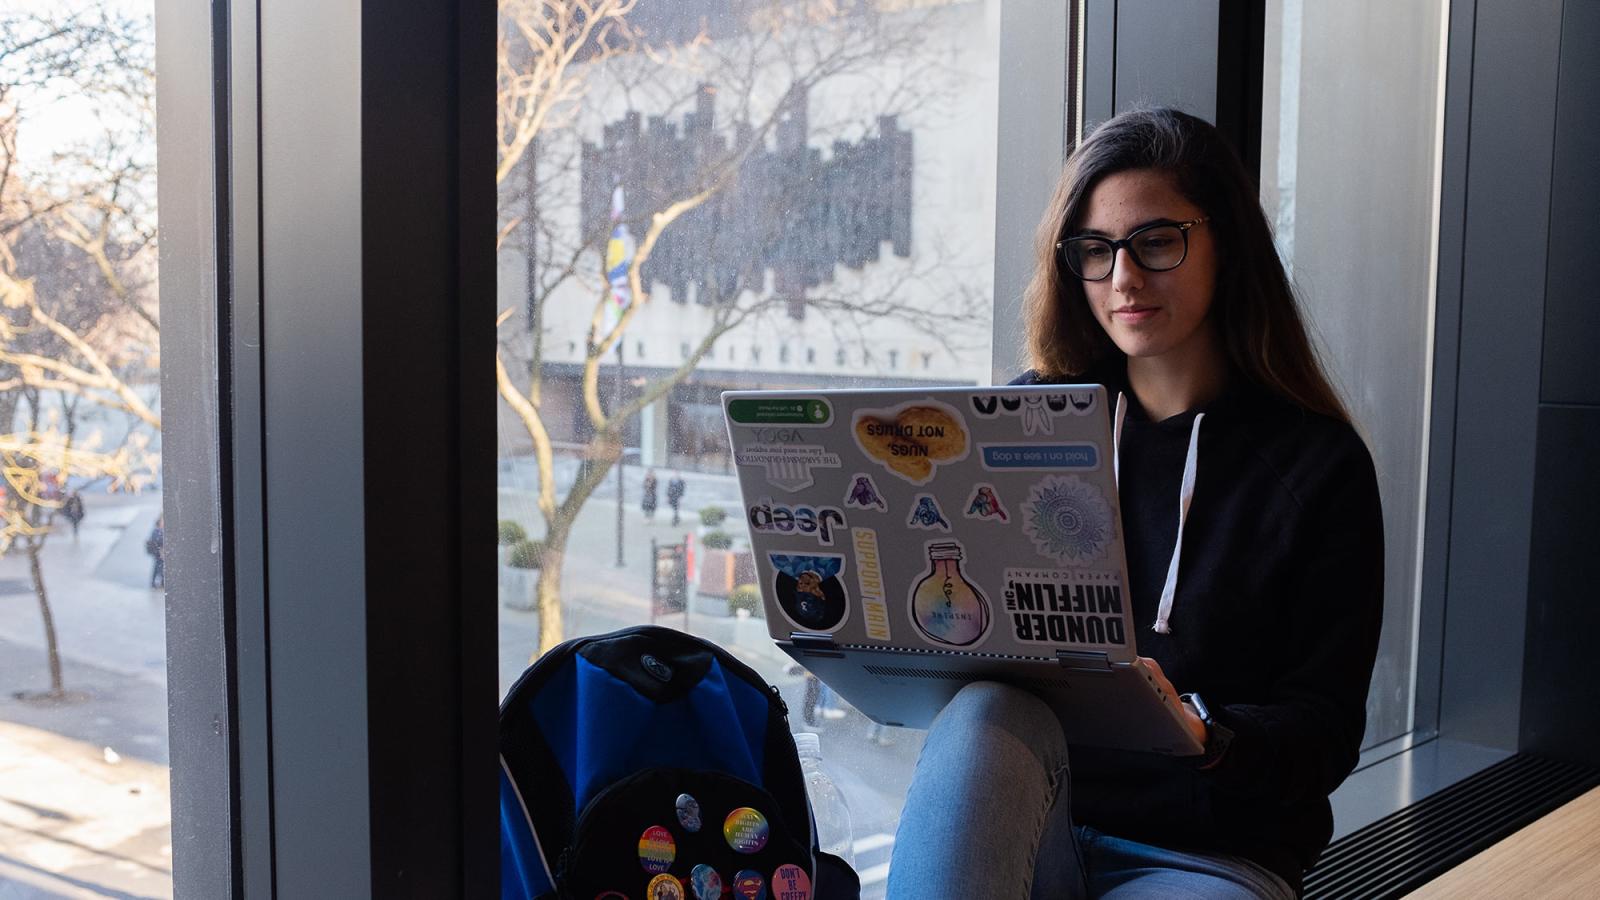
[[622, 457]]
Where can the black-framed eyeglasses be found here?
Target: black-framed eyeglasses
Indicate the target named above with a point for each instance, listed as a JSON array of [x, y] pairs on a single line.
[[1156, 248]]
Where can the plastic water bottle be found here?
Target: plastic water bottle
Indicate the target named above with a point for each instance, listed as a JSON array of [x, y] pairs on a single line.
[[834, 832]]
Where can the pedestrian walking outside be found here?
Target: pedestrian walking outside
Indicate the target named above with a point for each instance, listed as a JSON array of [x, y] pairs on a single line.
[[647, 499], [72, 509], [675, 488], [153, 546]]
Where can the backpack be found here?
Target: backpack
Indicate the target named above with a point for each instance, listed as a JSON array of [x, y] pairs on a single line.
[[650, 764]]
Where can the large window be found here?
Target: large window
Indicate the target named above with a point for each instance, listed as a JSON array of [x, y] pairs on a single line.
[[84, 800], [1351, 136], [712, 196]]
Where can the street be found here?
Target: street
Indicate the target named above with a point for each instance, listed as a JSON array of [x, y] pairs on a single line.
[[84, 781]]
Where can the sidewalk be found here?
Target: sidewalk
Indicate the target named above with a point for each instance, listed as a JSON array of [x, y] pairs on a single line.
[[84, 784]]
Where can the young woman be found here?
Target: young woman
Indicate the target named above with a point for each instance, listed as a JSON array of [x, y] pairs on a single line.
[[1254, 544]]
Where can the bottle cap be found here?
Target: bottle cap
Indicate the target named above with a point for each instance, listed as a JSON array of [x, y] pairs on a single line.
[[808, 745]]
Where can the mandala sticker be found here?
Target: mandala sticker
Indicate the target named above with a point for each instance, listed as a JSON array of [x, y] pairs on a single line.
[[1068, 520]]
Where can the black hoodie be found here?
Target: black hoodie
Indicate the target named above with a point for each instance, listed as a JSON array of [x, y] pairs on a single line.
[[1274, 622]]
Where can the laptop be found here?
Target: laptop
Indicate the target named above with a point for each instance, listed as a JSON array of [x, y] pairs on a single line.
[[910, 541]]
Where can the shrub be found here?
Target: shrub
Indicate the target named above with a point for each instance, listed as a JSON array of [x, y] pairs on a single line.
[[746, 597], [511, 532], [526, 554], [712, 516], [717, 540]]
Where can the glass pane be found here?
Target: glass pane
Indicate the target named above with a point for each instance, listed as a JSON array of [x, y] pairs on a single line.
[[1356, 221], [83, 713], [723, 195]]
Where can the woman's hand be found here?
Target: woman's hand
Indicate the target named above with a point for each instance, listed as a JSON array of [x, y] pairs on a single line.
[[1196, 727]]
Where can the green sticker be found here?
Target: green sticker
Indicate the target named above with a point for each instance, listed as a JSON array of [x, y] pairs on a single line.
[[780, 411]]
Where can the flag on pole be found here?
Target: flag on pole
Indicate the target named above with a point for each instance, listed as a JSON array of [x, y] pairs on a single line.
[[619, 257]]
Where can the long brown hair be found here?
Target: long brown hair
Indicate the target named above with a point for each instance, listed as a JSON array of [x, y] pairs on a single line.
[[1254, 307]]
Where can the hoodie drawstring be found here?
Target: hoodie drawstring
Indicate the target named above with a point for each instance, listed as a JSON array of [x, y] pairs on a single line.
[[1191, 470]]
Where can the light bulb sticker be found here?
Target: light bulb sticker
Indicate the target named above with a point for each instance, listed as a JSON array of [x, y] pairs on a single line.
[[863, 494], [1068, 520], [946, 608], [1066, 607], [791, 882], [810, 589], [913, 439], [869, 580], [925, 514], [1037, 410], [985, 505]]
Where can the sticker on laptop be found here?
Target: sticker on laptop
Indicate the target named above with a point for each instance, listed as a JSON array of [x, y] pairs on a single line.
[[863, 494], [985, 505], [788, 465], [1068, 520], [869, 581], [806, 412], [1037, 411], [1065, 607], [1039, 457], [912, 439], [821, 522], [946, 608], [810, 589], [925, 514]]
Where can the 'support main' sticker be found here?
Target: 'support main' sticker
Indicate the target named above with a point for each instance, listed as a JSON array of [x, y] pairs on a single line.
[[1068, 520], [869, 578], [912, 439], [788, 465], [810, 590], [1065, 607]]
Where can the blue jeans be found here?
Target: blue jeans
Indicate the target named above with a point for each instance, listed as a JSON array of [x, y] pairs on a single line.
[[989, 816]]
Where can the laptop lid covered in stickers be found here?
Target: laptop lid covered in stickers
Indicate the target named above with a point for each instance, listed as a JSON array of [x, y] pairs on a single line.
[[948, 520]]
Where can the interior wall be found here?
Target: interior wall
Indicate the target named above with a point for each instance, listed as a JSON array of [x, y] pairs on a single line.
[[1561, 699]]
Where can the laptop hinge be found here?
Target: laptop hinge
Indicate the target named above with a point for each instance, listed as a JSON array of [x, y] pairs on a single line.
[[1084, 661], [805, 640]]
